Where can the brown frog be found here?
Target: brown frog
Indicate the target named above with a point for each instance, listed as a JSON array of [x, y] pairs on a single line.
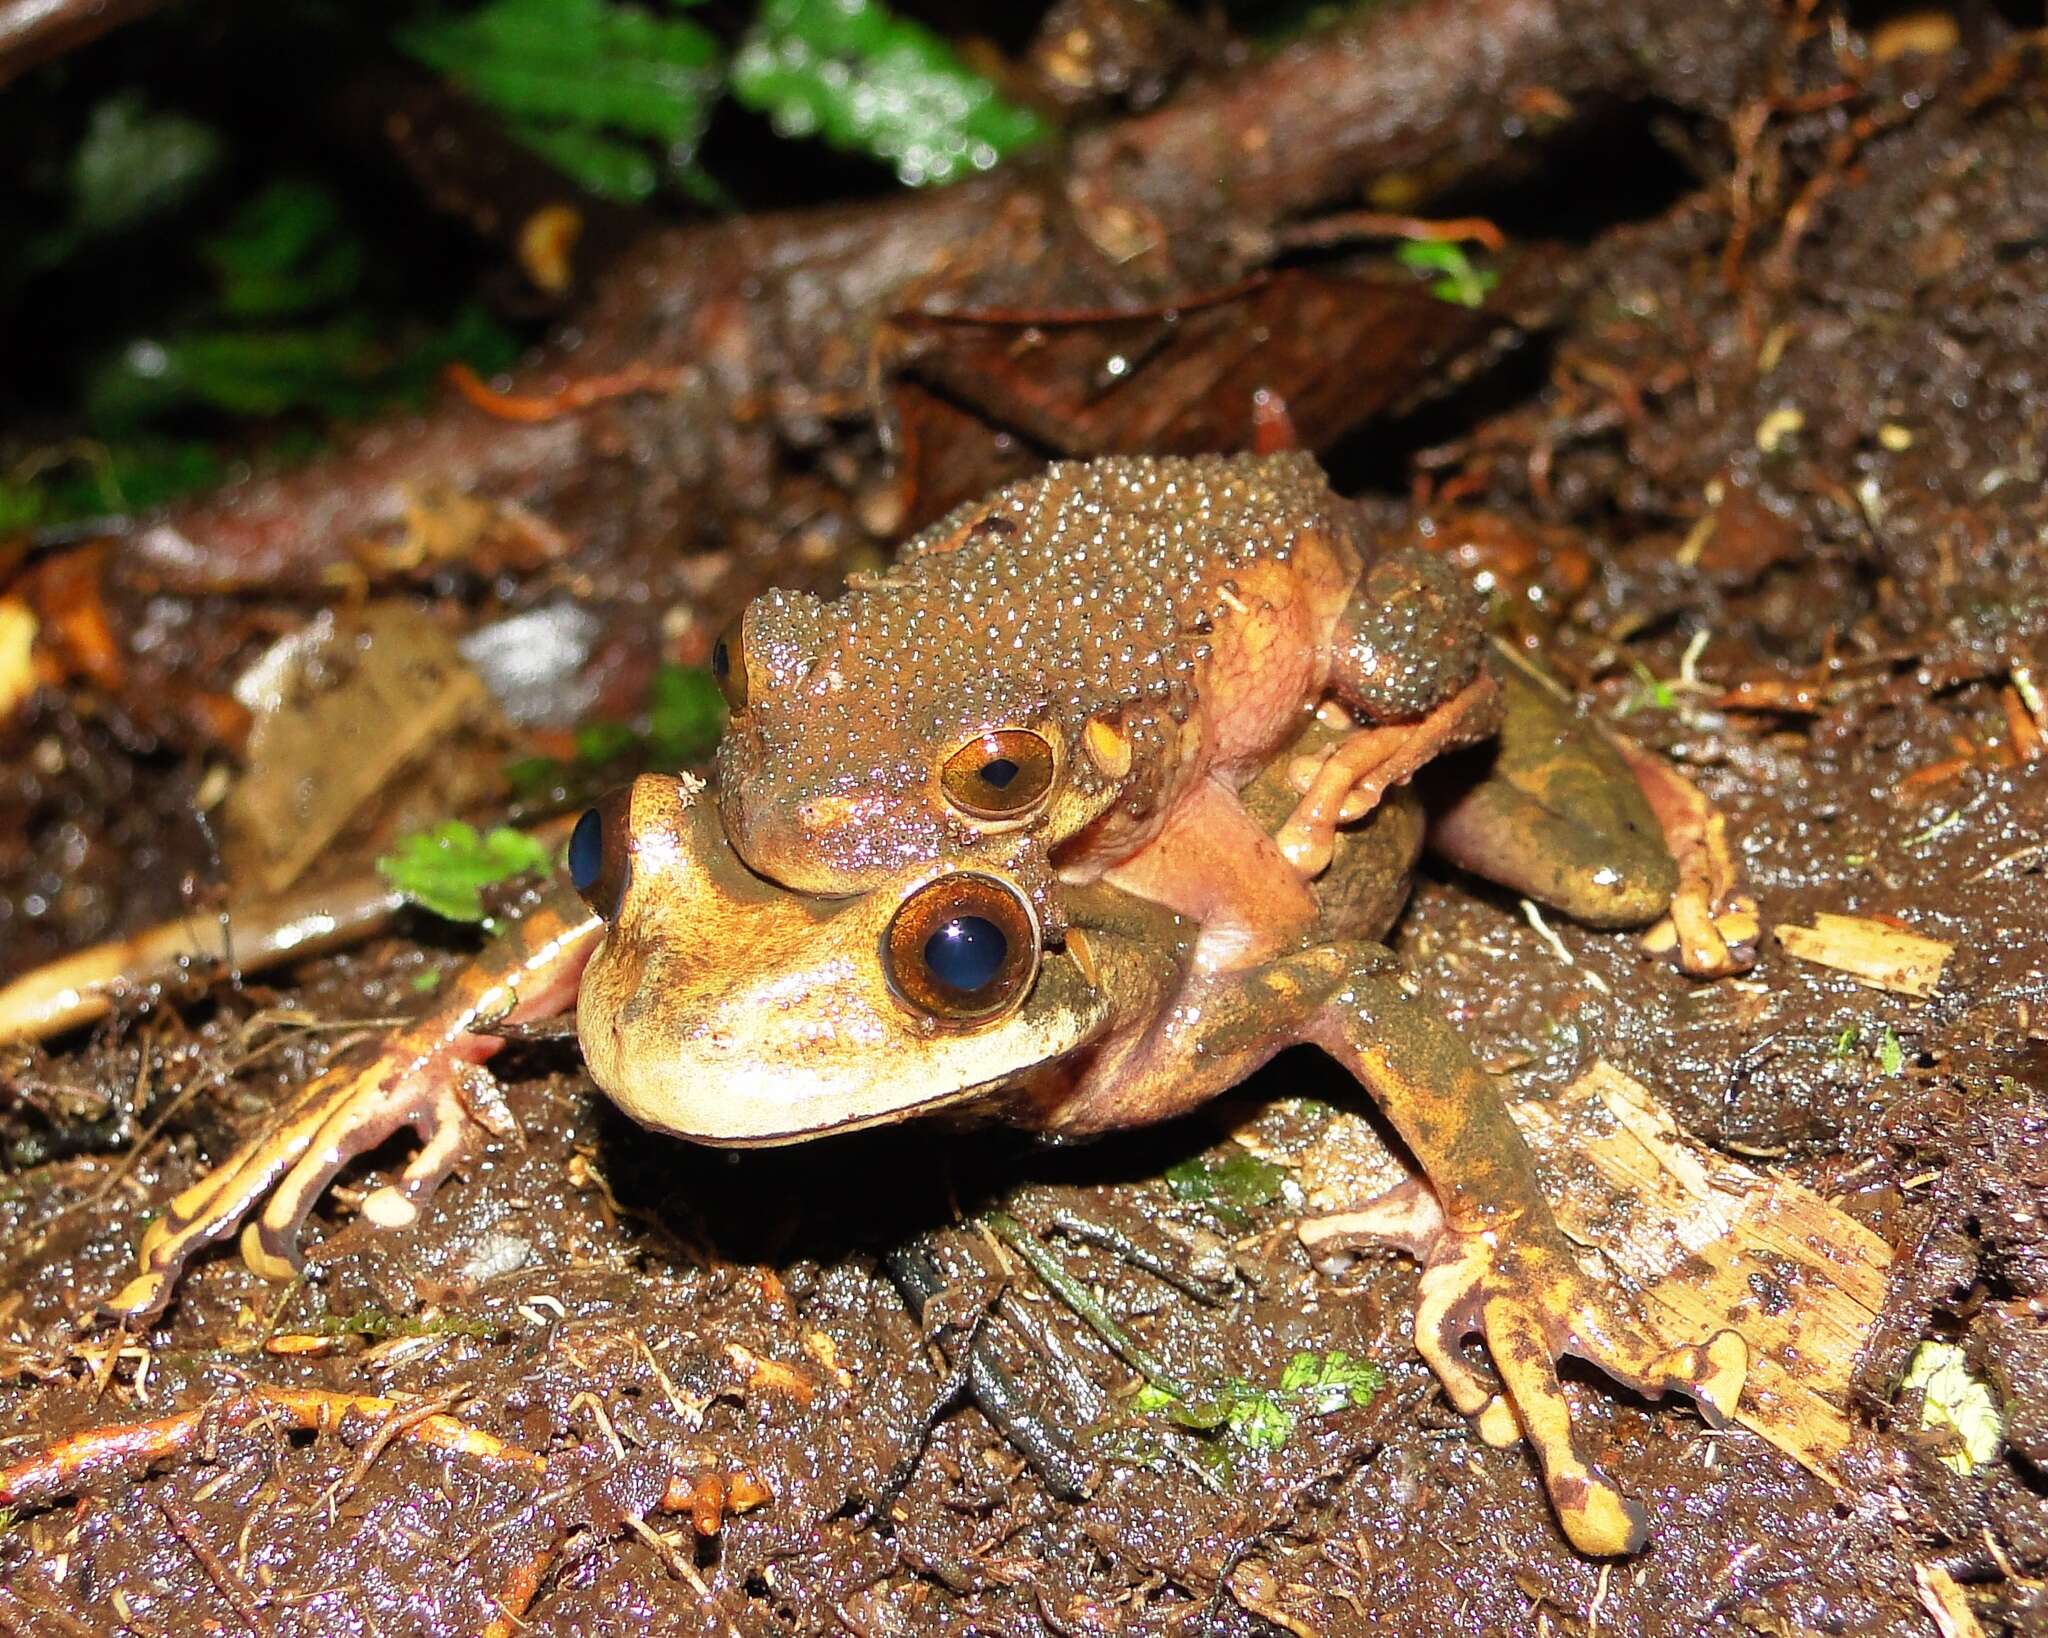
[[1089, 805]]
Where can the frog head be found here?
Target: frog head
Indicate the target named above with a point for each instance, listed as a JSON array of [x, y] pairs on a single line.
[[729, 1009], [880, 730]]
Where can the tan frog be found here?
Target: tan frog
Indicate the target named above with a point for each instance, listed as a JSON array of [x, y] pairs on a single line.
[[1087, 807]]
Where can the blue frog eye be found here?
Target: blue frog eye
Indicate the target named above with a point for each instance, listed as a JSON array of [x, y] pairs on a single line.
[[586, 851], [966, 953], [599, 857], [961, 948]]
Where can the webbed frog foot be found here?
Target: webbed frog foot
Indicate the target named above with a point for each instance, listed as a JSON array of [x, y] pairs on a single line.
[[412, 1082], [1518, 1287]]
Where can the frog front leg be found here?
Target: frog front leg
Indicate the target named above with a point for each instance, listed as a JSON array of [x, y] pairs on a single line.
[[1496, 1267], [428, 1077]]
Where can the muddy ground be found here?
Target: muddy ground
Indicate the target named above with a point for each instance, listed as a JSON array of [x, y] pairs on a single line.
[[1810, 461]]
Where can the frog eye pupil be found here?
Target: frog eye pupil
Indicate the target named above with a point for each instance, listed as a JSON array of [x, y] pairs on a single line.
[[966, 953], [961, 949], [721, 660], [1002, 774], [586, 851]]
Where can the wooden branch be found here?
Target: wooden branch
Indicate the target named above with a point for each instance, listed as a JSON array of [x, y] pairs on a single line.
[[772, 320], [34, 31]]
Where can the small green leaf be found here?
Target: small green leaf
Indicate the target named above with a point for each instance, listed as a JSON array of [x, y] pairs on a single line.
[[1846, 1042], [1651, 693], [446, 868], [685, 715], [97, 480], [600, 742], [1237, 1178], [337, 366], [1330, 1381], [856, 75], [606, 166], [611, 95], [1463, 283], [286, 252], [1259, 1420], [1891, 1057]]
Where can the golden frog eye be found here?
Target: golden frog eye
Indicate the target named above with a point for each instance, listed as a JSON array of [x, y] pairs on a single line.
[[998, 775], [600, 855], [729, 664], [961, 949]]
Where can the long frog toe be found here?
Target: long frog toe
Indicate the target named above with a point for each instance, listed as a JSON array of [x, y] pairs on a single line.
[[1532, 1305], [210, 1209], [343, 1114], [400, 1090]]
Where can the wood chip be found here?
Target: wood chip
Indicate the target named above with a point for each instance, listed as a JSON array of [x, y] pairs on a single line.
[[1872, 952], [1709, 1243], [1942, 1597], [1706, 1243], [17, 655]]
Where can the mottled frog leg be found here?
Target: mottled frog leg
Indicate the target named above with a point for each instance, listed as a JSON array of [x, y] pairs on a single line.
[[428, 1077], [1494, 1262], [1500, 1269], [1589, 825]]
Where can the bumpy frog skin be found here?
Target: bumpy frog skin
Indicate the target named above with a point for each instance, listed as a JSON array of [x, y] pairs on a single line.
[[1086, 808]]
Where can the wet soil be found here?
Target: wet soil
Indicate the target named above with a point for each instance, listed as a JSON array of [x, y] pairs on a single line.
[[1814, 464]]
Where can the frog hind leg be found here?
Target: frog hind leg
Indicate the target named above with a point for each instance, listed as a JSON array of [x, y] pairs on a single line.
[[1500, 1269], [1495, 1264], [428, 1077], [1593, 826]]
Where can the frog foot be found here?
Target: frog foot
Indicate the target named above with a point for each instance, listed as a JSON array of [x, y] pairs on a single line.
[[1712, 929], [1528, 1299], [1358, 770], [425, 1083]]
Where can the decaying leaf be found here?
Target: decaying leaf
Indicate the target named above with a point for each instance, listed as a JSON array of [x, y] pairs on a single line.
[[341, 708], [1954, 1399], [1707, 1243]]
